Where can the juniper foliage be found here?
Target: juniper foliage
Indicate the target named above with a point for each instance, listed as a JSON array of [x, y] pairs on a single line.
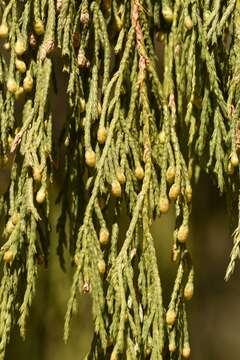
[[153, 99]]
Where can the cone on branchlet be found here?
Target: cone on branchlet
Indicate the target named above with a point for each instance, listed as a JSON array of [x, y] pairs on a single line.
[[162, 137], [182, 234], [37, 173], [139, 172], [33, 40], [234, 159], [188, 22], [101, 266], [82, 104], [230, 168], [172, 346], [188, 291], [20, 66], [114, 356], [76, 259], [20, 47], [189, 192], [28, 83], [6, 46], [163, 204], [15, 218], [41, 195], [18, 94], [8, 256], [116, 188], [167, 14], [3, 31], [38, 27], [170, 174], [12, 86], [174, 191], [90, 158], [10, 226], [171, 317], [120, 176], [186, 351], [104, 236], [102, 135]]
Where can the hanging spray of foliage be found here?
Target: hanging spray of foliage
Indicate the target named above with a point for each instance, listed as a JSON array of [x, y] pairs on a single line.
[[153, 97]]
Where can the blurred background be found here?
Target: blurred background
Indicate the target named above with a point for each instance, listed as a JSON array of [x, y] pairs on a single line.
[[213, 313]]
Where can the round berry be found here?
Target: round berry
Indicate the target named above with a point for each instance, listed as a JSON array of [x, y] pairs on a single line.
[[28, 83], [163, 205], [3, 31], [12, 86], [38, 27], [104, 236], [171, 317], [101, 266], [183, 233], [90, 158], [120, 176], [116, 188], [139, 172], [102, 135], [20, 47], [41, 195], [8, 256], [188, 291], [174, 191]]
